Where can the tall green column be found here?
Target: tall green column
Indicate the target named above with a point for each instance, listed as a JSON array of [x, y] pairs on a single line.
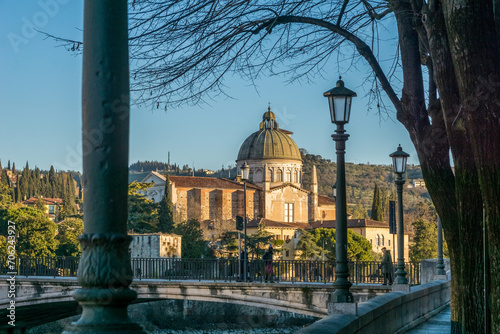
[[104, 271]]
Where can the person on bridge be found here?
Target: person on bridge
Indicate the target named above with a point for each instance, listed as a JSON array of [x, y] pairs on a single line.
[[386, 266], [268, 261]]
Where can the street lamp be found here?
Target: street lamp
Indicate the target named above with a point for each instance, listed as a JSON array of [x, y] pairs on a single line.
[[339, 100], [399, 163], [245, 170], [334, 190]]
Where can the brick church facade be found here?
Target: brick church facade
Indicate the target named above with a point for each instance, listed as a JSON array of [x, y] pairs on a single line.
[[275, 197]]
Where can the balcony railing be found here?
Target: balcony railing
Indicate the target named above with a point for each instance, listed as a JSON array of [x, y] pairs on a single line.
[[214, 269]]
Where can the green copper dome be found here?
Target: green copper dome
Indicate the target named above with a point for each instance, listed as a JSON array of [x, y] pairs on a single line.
[[270, 142]]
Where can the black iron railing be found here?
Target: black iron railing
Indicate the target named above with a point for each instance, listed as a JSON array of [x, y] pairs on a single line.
[[214, 269]]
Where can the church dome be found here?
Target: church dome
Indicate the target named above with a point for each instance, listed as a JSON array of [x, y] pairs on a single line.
[[270, 142]]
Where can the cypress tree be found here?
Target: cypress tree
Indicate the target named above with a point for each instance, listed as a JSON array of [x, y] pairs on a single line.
[[1, 169], [53, 184], [23, 184], [5, 178], [13, 168], [166, 211], [68, 196], [36, 182], [377, 208], [8, 165]]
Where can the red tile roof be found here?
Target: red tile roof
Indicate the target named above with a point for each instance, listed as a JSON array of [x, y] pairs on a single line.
[[351, 223], [47, 200], [273, 223], [325, 200], [205, 182]]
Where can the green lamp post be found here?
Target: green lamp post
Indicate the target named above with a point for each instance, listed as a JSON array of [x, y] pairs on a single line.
[[399, 163], [339, 100]]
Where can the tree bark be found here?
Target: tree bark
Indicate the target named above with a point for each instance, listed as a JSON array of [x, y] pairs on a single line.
[[468, 258], [472, 35]]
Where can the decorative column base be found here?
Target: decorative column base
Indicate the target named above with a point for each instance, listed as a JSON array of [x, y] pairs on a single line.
[[342, 293], [104, 312], [440, 277], [104, 272]]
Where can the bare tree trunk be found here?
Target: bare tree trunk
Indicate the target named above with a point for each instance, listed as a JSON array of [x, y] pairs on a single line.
[[468, 254], [472, 36]]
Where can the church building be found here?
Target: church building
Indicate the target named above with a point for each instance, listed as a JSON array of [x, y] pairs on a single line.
[[274, 196]]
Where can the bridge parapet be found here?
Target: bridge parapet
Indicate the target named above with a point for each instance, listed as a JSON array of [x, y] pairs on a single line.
[[395, 312], [302, 298]]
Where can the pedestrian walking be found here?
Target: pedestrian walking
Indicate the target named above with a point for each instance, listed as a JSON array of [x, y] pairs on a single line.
[[268, 261], [386, 266]]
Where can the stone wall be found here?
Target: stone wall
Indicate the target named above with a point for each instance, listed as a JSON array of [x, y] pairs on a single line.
[[155, 245], [395, 312], [428, 269]]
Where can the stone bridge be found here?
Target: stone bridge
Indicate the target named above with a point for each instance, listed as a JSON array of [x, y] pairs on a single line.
[[45, 299]]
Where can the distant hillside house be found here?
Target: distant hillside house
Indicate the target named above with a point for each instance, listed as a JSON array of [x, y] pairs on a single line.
[[155, 245], [416, 183], [52, 205]]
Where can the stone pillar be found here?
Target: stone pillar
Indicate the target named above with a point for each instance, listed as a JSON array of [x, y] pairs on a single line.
[[104, 271]]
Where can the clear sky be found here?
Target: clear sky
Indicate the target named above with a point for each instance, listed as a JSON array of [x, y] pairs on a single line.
[[40, 105]]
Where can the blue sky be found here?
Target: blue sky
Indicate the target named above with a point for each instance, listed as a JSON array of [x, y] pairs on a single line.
[[40, 105]]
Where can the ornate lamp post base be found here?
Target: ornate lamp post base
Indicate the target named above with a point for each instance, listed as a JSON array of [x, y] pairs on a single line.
[[104, 311]]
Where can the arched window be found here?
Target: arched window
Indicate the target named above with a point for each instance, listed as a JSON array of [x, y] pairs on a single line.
[[288, 176], [295, 177], [279, 176]]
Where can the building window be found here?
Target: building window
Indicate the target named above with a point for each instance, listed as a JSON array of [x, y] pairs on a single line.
[[382, 239], [378, 240], [288, 176], [288, 212], [295, 177], [52, 209], [279, 176], [277, 237], [287, 253], [388, 242]]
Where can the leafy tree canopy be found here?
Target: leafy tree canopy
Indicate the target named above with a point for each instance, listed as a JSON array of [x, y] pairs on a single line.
[[193, 246], [142, 212], [67, 236], [35, 231], [259, 242], [425, 245]]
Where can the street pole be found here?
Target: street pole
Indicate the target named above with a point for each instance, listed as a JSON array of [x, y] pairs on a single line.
[[440, 262], [245, 269], [341, 284], [400, 272], [239, 255], [104, 270]]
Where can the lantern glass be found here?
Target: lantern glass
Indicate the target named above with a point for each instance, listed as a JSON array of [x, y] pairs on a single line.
[[245, 171], [340, 108], [339, 100], [399, 160], [334, 190], [399, 164]]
